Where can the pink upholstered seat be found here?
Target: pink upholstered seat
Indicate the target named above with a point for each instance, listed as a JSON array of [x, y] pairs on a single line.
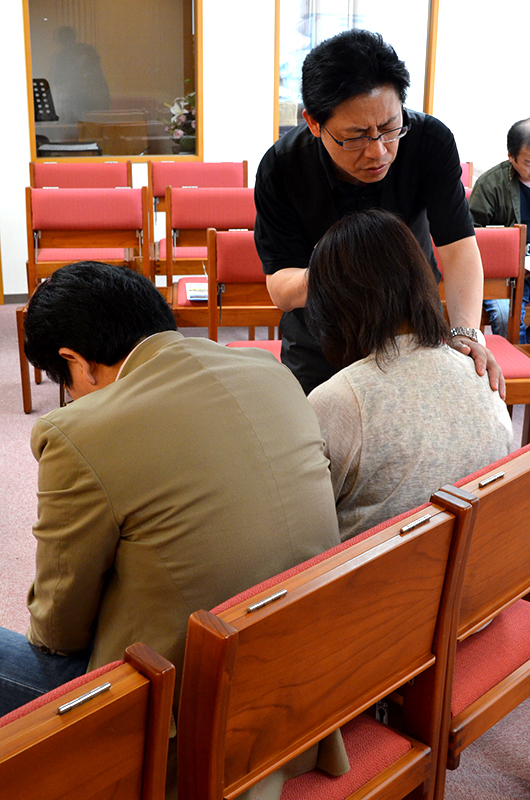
[[514, 363], [491, 655], [274, 346], [371, 749]]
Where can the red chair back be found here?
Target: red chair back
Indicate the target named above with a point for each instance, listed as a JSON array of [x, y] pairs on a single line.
[[195, 175], [94, 175]]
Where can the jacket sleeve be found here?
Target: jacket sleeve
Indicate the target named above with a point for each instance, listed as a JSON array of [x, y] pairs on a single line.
[[77, 535], [483, 204]]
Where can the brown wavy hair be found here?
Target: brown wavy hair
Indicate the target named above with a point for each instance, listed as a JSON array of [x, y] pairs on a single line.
[[369, 281]]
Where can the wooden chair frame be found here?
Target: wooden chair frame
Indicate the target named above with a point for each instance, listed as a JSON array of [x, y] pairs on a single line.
[[114, 745], [260, 688], [136, 242], [236, 304], [496, 576]]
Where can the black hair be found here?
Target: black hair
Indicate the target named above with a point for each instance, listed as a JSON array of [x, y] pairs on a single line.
[[369, 281], [97, 310], [518, 136], [352, 63]]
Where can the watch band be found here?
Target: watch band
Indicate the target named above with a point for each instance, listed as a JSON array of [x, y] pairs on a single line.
[[470, 333]]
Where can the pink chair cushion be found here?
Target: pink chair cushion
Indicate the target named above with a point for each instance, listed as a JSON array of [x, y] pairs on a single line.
[[289, 573], [183, 252], [196, 174], [465, 172], [371, 748], [87, 209], [512, 362], [55, 694], [494, 466], [198, 209], [499, 251], [96, 175], [182, 298], [274, 346], [490, 655], [72, 254], [237, 258]]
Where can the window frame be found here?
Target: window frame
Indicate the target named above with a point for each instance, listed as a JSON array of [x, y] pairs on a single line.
[[197, 156]]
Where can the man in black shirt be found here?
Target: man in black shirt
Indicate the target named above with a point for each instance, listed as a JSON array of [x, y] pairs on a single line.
[[359, 148]]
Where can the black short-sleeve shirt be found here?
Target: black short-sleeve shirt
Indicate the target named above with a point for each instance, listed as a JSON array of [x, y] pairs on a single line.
[[298, 197]]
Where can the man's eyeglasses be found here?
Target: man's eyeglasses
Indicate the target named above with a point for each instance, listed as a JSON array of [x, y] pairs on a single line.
[[360, 142]]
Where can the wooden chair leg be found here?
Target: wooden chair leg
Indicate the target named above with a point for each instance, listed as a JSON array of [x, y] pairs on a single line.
[[24, 367], [38, 375], [525, 438], [271, 331], [251, 333]]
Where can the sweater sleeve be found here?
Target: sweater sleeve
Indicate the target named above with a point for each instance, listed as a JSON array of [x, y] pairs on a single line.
[[339, 415], [77, 536]]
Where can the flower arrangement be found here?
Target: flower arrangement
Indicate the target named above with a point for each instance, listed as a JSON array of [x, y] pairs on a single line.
[[183, 113]]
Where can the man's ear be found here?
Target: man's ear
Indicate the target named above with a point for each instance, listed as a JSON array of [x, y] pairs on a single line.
[[314, 126], [77, 361]]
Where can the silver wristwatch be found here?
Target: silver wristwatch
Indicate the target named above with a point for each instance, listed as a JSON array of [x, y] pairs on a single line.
[[470, 333]]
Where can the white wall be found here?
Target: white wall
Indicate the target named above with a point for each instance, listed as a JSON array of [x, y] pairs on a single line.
[[481, 85], [238, 80], [14, 148]]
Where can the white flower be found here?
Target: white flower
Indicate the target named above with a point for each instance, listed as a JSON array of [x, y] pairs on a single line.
[[178, 107]]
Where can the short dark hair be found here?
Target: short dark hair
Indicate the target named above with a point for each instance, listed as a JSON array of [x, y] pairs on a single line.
[[352, 63], [369, 280], [97, 310], [518, 136]]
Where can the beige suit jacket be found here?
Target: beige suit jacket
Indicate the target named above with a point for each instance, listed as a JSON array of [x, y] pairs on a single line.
[[197, 474]]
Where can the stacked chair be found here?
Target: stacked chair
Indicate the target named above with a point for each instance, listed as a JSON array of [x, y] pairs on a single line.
[[188, 175], [102, 735], [503, 257], [77, 224], [189, 215]]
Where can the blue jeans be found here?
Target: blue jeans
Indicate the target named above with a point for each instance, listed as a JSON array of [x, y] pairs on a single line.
[[26, 672], [498, 311]]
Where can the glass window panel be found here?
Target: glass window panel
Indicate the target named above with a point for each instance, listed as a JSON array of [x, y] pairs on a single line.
[[306, 23], [106, 76]]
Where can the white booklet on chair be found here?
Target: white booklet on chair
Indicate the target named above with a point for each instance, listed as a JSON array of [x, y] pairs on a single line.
[[197, 291]]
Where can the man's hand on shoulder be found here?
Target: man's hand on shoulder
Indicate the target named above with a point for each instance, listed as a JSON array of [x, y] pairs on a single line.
[[484, 361]]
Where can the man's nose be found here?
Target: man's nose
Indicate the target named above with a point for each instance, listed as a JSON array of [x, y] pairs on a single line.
[[375, 149]]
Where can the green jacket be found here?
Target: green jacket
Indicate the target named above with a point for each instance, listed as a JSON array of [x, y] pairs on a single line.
[[496, 197]]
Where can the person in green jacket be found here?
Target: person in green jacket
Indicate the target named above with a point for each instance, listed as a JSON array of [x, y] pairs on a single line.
[[501, 196]]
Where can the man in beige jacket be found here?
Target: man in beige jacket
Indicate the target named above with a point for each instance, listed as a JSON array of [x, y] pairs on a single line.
[[183, 473]]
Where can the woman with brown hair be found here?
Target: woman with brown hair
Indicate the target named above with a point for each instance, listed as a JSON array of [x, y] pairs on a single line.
[[406, 413]]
